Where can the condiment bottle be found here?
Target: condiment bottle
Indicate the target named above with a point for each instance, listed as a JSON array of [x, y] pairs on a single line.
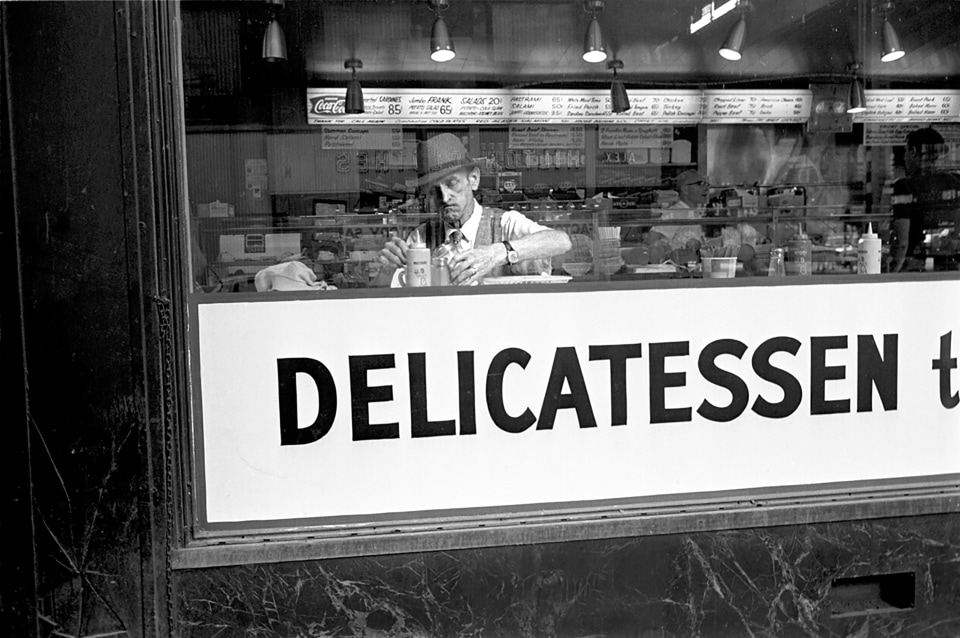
[[868, 253], [799, 255], [418, 265], [777, 267]]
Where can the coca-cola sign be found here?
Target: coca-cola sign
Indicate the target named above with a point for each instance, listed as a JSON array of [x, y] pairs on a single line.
[[327, 105]]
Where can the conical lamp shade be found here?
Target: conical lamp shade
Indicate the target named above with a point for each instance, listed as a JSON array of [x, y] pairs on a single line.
[[857, 100], [593, 49], [891, 44], [274, 44], [441, 44], [734, 43], [619, 101], [354, 101]]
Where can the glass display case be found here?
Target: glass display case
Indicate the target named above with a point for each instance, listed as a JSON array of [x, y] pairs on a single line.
[[614, 239]]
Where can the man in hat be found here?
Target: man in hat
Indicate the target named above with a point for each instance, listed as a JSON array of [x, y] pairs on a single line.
[[483, 241], [926, 198]]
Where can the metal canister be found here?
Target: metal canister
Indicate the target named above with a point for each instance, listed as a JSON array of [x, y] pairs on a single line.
[[440, 267], [800, 256]]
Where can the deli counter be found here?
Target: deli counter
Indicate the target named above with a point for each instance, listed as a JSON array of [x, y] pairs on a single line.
[[612, 240]]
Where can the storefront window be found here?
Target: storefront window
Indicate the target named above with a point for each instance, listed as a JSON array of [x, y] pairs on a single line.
[[280, 178], [688, 343]]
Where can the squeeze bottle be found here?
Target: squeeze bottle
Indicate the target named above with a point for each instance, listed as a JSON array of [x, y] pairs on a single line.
[[868, 253], [418, 265]]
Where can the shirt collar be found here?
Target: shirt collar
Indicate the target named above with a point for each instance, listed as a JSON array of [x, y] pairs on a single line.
[[472, 226]]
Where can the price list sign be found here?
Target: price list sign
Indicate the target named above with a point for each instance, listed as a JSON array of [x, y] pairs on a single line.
[[387, 138], [541, 136], [745, 107], [885, 105], [478, 106], [616, 136]]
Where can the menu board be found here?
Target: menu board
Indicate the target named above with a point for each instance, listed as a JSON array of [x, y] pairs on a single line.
[[744, 107], [615, 136], [461, 107], [381, 138], [546, 136], [885, 105], [479, 106]]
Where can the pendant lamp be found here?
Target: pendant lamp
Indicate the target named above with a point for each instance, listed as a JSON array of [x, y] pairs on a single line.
[[856, 100], [593, 48], [441, 44], [892, 50], [274, 44], [733, 45], [619, 100], [354, 99]]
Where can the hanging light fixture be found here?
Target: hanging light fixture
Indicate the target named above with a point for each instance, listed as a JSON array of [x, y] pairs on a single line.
[[274, 44], [441, 44], [593, 47], [733, 44], [619, 101], [890, 41], [856, 100], [354, 100]]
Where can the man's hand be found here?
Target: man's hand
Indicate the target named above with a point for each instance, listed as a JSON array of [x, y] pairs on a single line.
[[468, 267], [393, 253]]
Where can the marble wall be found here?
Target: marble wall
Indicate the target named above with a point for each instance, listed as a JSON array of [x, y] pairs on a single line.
[[774, 582]]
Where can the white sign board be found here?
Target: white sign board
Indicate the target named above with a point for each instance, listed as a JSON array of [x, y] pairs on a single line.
[[501, 106], [745, 107], [934, 105], [620, 136], [317, 409], [539, 136], [384, 138]]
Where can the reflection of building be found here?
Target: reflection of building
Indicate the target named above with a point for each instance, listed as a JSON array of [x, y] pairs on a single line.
[[107, 411]]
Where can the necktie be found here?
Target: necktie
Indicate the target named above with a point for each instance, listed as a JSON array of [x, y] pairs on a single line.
[[454, 240]]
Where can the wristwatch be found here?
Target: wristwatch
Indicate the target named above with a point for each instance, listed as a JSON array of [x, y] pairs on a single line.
[[512, 256]]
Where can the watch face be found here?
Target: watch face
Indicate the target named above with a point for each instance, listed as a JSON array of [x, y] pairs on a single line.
[[512, 257]]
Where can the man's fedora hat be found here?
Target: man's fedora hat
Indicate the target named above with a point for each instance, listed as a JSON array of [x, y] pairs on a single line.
[[440, 156]]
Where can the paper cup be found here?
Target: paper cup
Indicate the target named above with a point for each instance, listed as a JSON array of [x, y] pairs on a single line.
[[719, 267]]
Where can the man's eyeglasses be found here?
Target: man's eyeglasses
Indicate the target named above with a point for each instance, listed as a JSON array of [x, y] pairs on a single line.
[[700, 182]]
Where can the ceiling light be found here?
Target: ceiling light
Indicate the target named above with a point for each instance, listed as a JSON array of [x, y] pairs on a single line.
[[619, 101], [441, 44], [891, 43], [274, 44], [593, 48], [856, 100], [354, 100], [732, 46]]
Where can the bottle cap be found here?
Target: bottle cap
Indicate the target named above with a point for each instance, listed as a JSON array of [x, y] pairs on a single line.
[[870, 234]]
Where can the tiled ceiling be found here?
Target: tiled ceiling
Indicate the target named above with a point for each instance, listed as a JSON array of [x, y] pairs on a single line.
[[538, 43]]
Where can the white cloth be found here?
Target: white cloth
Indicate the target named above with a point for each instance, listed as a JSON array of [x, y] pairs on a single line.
[[290, 275]]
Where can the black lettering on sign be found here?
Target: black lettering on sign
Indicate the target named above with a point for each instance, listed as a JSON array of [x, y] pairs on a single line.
[[617, 355], [660, 380], [945, 364], [467, 392], [792, 390], [498, 412], [362, 395], [287, 370], [566, 367], [739, 393], [420, 424], [820, 373], [876, 371]]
